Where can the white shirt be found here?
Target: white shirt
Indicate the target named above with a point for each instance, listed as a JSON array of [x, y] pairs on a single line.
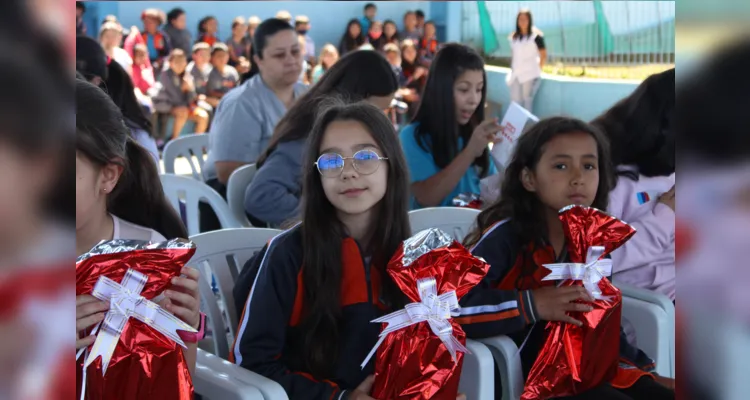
[[127, 230], [525, 59]]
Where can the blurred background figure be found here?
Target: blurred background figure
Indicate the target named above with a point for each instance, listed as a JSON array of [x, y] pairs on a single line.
[[36, 200], [712, 125]]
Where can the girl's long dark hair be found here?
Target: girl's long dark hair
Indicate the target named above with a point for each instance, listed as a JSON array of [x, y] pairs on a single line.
[[348, 43], [103, 138], [344, 78], [438, 129], [202, 24], [518, 34], [121, 90], [394, 38], [522, 207], [322, 232], [639, 126]]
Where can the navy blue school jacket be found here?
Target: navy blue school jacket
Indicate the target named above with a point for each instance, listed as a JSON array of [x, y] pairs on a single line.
[[488, 310], [269, 340]]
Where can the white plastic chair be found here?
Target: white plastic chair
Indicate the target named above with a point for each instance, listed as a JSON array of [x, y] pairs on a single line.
[[455, 221], [477, 376], [217, 379], [508, 360], [222, 254], [186, 146], [237, 184], [652, 315], [192, 192]]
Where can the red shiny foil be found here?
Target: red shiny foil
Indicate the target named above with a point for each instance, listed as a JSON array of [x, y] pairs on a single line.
[[145, 364], [574, 359], [412, 363]]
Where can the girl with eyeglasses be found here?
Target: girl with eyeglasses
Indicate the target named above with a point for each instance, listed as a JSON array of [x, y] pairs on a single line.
[[308, 327], [313, 290]]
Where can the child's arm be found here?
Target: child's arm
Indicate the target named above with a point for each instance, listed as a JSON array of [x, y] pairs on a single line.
[[487, 311], [654, 231], [262, 333]]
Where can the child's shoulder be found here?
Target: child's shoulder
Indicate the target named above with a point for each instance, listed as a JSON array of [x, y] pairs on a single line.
[[499, 232]]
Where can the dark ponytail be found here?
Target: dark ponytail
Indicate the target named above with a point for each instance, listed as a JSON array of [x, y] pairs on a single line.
[[103, 138]]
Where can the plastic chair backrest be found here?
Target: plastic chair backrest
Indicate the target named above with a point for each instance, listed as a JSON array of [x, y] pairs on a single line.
[[192, 148], [478, 373], [455, 221], [221, 254], [236, 187], [191, 191]]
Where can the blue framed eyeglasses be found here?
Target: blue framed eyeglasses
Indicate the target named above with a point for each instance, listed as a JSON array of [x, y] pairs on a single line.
[[365, 162]]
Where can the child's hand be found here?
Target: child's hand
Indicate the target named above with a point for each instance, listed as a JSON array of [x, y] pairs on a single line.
[[362, 392], [419, 72], [183, 298], [483, 135], [553, 303], [187, 86], [89, 312], [668, 198]]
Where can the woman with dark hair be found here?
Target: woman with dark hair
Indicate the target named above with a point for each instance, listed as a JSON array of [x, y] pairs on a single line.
[[528, 55], [643, 150], [352, 38], [390, 32], [207, 30], [446, 143], [274, 194], [121, 90], [176, 30]]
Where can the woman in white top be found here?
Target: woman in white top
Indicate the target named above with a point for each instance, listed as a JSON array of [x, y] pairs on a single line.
[[119, 196], [527, 59]]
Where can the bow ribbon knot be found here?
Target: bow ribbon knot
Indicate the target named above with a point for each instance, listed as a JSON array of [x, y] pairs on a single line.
[[590, 273], [433, 309]]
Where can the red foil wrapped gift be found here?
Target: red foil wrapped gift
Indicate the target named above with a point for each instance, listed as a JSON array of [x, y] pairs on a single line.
[[574, 359], [419, 355], [147, 361]]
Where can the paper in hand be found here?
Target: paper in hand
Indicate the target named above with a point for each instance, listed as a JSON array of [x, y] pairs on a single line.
[[516, 121]]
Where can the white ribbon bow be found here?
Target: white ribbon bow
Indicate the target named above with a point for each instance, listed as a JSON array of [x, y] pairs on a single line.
[[590, 273], [436, 310], [126, 302]]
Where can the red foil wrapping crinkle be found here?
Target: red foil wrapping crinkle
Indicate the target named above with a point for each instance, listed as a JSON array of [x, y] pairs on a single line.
[[145, 364], [413, 363], [574, 359]]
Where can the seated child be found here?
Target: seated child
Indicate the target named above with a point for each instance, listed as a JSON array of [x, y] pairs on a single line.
[[175, 95]]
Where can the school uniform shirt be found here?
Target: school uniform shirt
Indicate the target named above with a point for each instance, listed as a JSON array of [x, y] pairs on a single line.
[[413, 35], [647, 260], [525, 57], [169, 93], [123, 58], [180, 39], [127, 230], [273, 195], [243, 123], [503, 304], [204, 37], [241, 49], [270, 341], [309, 47], [200, 76], [430, 47], [222, 81], [422, 166]]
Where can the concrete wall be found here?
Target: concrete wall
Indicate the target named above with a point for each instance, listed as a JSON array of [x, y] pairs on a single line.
[[577, 97], [328, 18]]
